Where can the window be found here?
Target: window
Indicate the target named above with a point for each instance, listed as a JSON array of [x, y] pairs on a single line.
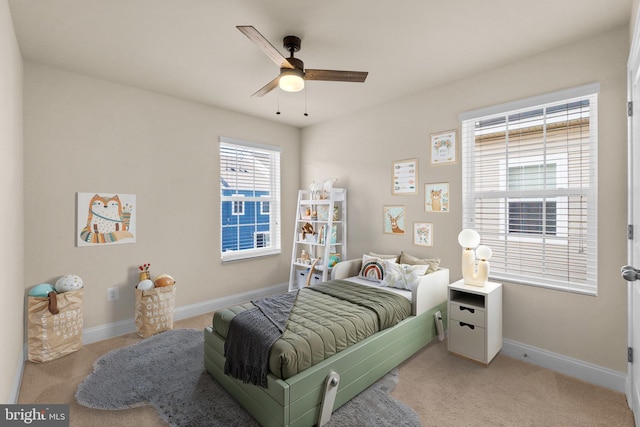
[[530, 188], [249, 199], [238, 207], [262, 240], [264, 207]]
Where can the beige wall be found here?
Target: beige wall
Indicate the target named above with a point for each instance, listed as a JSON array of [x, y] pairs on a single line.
[[11, 187], [358, 150], [88, 135], [635, 5]]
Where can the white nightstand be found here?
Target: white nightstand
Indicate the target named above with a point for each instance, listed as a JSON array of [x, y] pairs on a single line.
[[475, 320]]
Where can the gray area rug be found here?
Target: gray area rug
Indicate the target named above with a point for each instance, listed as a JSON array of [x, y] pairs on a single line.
[[167, 371]]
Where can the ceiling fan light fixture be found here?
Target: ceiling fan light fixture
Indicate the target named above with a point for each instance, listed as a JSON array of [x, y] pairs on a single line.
[[291, 80]]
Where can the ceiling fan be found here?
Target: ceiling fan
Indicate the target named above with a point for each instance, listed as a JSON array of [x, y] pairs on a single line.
[[292, 71]]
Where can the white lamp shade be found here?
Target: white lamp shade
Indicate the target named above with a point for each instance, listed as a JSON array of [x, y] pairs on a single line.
[[484, 252], [468, 238], [291, 80]]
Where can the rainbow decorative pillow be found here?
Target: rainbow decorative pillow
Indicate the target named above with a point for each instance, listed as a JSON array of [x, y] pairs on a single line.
[[372, 268]]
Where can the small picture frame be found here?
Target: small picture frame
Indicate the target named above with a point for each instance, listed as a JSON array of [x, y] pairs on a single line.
[[394, 219], [443, 147], [436, 197], [423, 233], [404, 177]]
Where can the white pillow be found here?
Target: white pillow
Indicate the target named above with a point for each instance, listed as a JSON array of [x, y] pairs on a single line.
[[402, 276]]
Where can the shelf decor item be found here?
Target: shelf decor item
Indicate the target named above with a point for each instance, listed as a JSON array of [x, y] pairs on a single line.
[[474, 275], [321, 190], [333, 259]]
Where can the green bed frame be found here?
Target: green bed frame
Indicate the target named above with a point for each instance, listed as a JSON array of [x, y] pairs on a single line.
[[297, 401]]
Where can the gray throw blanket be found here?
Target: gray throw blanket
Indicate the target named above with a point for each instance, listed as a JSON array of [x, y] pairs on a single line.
[[251, 335]]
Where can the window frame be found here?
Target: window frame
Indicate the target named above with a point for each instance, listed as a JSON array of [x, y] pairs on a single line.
[[237, 206], [562, 194], [262, 178], [562, 181]]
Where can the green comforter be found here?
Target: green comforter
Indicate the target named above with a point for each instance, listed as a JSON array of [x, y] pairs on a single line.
[[326, 319]]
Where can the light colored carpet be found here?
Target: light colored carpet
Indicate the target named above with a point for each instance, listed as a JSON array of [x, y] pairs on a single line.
[[167, 371], [444, 390]]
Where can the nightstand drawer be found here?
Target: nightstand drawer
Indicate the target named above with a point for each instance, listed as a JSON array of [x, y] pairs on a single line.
[[466, 313], [467, 339]]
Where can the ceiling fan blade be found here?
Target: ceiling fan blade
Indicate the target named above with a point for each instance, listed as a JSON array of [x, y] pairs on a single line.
[[268, 87], [336, 76], [253, 35]]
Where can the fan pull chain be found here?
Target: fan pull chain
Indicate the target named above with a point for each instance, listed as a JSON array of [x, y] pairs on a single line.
[[306, 90], [278, 111]]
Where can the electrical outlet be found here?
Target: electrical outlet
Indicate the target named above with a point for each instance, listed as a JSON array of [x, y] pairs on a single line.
[[113, 294]]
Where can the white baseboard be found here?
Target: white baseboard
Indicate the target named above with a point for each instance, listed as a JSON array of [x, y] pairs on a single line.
[[99, 333], [102, 332], [584, 371]]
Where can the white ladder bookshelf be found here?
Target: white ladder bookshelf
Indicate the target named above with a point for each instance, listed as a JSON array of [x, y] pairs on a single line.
[[328, 217]]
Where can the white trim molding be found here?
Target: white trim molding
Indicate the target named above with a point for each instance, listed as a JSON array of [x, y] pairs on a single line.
[[110, 330], [579, 369]]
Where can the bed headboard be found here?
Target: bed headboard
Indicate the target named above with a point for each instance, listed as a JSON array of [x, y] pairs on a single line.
[[424, 297], [348, 268]]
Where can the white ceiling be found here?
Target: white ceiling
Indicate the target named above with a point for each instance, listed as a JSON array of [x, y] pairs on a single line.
[[191, 49]]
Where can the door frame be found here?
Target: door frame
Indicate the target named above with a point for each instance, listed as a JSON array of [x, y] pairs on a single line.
[[633, 77]]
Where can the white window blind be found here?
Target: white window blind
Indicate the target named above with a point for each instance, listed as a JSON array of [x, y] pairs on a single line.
[[530, 188], [249, 199]]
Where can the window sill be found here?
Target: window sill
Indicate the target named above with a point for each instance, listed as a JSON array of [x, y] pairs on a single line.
[[234, 256]]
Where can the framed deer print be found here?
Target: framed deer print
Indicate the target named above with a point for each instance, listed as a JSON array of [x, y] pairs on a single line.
[[394, 219], [443, 147], [405, 177], [423, 234], [436, 197]]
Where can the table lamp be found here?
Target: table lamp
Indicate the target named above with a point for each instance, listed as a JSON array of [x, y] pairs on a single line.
[[470, 239]]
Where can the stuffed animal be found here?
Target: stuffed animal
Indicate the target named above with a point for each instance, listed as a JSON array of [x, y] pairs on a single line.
[[307, 229]]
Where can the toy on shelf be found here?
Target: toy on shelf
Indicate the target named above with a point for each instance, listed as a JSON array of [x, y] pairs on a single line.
[[307, 229]]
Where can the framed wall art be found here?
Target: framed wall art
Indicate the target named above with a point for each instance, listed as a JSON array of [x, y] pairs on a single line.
[[404, 174], [436, 197], [423, 234], [394, 219], [105, 219], [443, 147]]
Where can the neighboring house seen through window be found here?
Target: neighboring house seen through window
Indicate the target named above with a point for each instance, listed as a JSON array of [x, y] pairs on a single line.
[[530, 188], [249, 199]]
